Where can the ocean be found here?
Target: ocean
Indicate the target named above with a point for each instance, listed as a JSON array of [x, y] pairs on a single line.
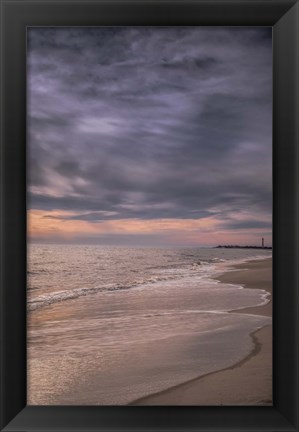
[[109, 325]]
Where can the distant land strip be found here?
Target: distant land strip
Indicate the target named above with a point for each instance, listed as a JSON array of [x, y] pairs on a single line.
[[242, 247]]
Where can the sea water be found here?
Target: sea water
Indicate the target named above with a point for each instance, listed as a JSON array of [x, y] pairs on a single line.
[[108, 325]]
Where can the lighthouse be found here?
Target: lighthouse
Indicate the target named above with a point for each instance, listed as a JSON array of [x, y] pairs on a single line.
[[263, 242]]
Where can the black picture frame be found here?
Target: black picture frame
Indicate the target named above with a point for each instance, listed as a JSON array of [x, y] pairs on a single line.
[[16, 16]]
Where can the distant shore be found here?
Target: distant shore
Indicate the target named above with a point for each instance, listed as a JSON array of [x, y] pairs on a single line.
[[243, 247], [249, 382]]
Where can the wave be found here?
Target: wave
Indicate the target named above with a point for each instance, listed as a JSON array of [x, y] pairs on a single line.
[[59, 296], [48, 299], [200, 268]]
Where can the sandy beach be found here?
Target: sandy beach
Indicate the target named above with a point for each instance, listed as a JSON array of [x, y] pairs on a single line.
[[249, 382]]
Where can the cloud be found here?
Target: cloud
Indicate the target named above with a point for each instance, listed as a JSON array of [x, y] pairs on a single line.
[[150, 123]]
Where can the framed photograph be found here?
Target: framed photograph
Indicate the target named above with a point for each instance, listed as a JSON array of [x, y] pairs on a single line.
[[149, 167]]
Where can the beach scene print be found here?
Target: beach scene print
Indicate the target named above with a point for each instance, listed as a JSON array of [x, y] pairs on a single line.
[[149, 216]]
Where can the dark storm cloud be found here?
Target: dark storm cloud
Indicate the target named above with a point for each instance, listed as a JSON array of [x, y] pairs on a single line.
[[149, 122]]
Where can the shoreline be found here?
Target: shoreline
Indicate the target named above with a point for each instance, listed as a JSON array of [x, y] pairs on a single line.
[[248, 382], [241, 275]]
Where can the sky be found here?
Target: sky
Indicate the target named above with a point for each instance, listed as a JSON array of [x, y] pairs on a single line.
[[150, 136]]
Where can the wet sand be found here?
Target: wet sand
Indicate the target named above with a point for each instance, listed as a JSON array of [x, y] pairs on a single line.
[[248, 382]]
